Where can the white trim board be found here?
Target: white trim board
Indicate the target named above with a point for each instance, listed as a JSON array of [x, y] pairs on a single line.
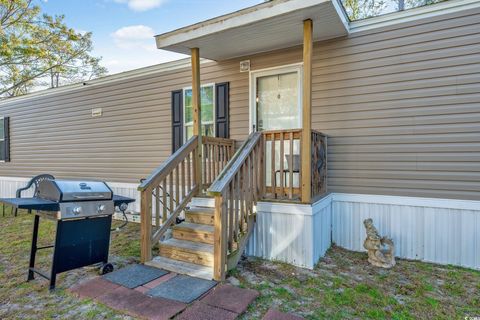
[[409, 201], [306, 209], [252, 88], [240, 18], [413, 14]]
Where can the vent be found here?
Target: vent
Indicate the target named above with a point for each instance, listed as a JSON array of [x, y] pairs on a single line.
[[245, 66], [97, 112]]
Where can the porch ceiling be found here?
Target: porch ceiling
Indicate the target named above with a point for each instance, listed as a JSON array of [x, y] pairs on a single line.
[[268, 26]]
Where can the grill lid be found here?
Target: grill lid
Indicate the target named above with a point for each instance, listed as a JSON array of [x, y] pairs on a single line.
[[70, 190]]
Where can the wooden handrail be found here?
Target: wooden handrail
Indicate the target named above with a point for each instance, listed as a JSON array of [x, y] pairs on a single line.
[[166, 167], [166, 193], [217, 153], [169, 189], [226, 175], [237, 188]]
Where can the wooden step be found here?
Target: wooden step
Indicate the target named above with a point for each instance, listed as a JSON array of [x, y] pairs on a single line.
[[194, 232], [182, 267], [200, 215], [188, 251]]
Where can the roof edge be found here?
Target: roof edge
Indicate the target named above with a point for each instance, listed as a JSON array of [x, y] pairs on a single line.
[[393, 18], [239, 18], [153, 69]]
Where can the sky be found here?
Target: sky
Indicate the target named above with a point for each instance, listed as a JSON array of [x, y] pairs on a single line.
[[123, 30]]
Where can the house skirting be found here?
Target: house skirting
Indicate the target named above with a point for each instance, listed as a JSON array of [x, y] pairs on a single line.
[[434, 230], [441, 231]]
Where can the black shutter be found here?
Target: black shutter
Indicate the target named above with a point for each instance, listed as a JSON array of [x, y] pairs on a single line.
[[177, 120], [6, 143], [222, 101]]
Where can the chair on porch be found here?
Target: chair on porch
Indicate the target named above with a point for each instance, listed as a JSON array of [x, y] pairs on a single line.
[[295, 168], [35, 181]]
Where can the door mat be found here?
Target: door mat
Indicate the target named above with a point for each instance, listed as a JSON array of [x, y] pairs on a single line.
[[134, 276], [182, 288]]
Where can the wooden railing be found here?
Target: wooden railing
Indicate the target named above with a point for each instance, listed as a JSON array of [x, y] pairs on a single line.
[[283, 164], [319, 164], [283, 158], [169, 189], [238, 187], [172, 186], [268, 165], [217, 152]]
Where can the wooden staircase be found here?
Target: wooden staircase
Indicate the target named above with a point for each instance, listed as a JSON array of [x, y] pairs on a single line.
[[211, 239], [190, 249]]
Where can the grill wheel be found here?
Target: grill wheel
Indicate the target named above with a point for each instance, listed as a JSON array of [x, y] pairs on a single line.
[[106, 268]]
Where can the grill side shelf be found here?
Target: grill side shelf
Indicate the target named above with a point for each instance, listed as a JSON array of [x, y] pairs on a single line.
[[31, 204]]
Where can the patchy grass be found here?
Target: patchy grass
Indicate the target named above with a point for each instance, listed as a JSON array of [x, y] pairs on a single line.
[[32, 300], [344, 286]]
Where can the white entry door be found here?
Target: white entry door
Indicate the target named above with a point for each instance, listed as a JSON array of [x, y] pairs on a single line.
[[276, 99], [276, 104]]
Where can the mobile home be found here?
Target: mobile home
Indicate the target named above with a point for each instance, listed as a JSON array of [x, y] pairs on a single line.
[[287, 127]]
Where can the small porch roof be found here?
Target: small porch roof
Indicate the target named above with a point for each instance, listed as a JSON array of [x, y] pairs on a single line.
[[268, 26]]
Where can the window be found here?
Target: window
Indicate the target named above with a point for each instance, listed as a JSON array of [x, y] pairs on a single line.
[[207, 96], [4, 139]]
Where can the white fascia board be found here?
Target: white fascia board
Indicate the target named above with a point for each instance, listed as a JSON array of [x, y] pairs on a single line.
[[237, 19], [342, 14], [428, 11]]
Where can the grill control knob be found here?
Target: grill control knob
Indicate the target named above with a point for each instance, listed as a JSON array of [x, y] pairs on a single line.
[[77, 210], [100, 208]]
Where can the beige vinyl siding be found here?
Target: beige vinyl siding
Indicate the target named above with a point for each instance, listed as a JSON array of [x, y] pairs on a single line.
[[55, 133], [401, 105]]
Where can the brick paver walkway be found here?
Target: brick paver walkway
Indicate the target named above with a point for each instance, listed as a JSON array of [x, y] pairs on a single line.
[[223, 302]]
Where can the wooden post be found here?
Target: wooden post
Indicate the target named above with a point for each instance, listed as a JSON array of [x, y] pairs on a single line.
[[197, 116], [307, 111], [220, 241], [146, 226]]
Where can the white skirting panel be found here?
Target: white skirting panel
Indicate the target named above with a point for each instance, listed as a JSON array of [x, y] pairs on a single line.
[[434, 230], [322, 227], [292, 233], [127, 190], [9, 186]]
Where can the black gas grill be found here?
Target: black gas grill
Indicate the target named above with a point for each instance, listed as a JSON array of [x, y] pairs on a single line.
[[83, 212]]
